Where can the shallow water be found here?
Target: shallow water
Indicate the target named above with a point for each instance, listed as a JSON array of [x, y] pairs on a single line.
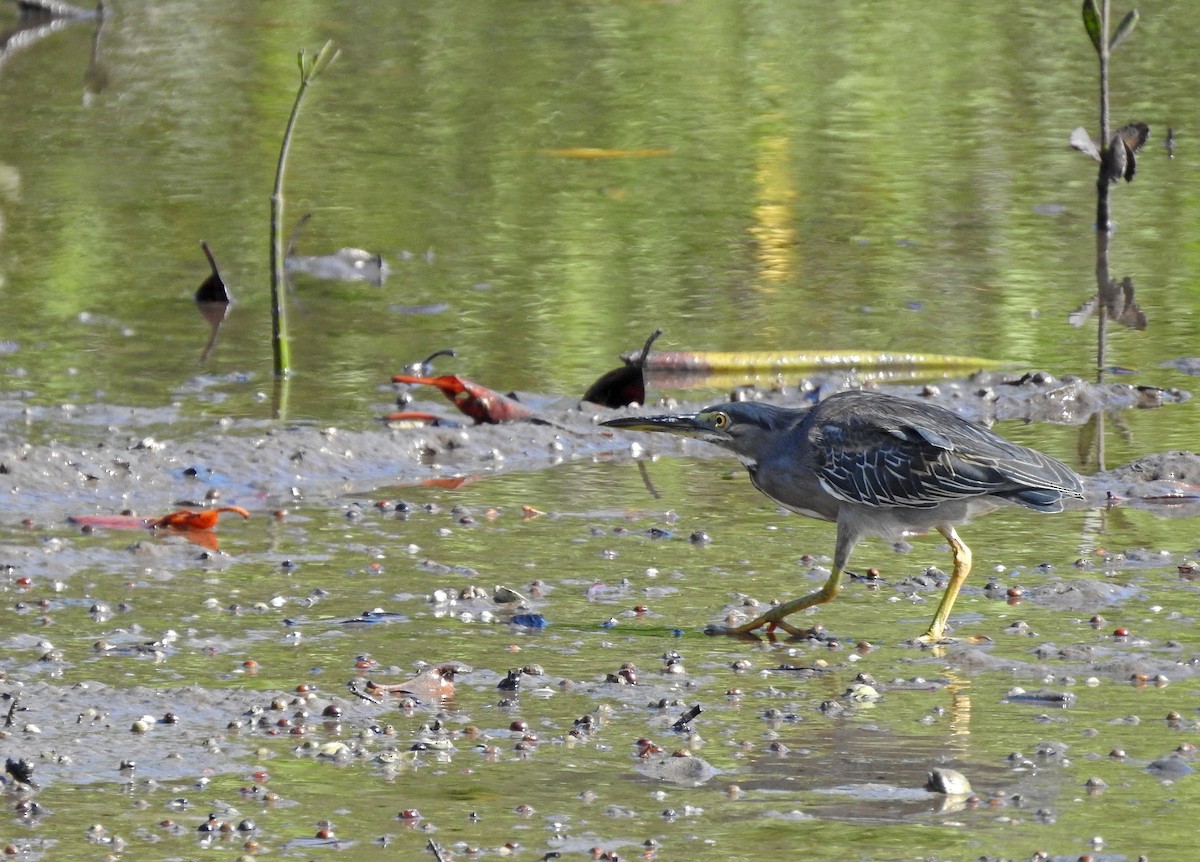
[[789, 191], [776, 177], [283, 596]]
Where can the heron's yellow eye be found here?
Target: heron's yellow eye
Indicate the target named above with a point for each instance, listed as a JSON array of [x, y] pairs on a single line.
[[720, 421]]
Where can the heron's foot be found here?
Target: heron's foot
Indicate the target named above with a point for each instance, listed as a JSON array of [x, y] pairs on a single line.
[[773, 617], [736, 631], [762, 621], [929, 639], [789, 628]]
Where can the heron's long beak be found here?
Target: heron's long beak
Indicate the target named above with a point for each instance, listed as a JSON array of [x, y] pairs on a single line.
[[685, 425]]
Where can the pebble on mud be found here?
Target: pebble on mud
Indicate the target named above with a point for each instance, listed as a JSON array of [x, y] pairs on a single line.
[[948, 781]]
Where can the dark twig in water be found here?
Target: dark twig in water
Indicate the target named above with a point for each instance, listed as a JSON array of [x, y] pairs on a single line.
[[12, 708], [641, 360], [359, 693], [681, 725], [424, 368], [291, 247], [647, 481], [437, 850]]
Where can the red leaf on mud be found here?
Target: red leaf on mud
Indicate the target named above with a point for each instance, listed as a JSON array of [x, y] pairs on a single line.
[[186, 519], [480, 403], [196, 527], [206, 539], [111, 522], [449, 482]]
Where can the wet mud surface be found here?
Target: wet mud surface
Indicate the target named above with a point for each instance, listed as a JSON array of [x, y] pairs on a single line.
[[260, 464], [836, 751]]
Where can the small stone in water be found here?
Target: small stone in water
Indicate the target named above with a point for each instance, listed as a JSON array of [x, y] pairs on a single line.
[[948, 781]]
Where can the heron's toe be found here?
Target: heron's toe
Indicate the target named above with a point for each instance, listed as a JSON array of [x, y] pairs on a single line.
[[789, 628], [743, 629], [930, 640]]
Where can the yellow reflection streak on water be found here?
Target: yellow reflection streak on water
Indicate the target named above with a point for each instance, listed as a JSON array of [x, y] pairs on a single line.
[[772, 230]]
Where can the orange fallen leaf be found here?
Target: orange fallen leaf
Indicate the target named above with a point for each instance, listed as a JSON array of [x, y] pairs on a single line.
[[196, 527], [206, 539], [187, 519], [449, 482]]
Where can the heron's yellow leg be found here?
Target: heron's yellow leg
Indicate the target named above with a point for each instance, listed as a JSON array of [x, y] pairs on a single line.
[[775, 616], [846, 540], [962, 567]]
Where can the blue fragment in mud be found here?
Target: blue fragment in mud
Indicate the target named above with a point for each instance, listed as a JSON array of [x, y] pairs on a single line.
[[676, 633], [530, 621]]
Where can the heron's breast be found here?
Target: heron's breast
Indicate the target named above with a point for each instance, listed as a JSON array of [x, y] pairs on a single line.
[[810, 513], [799, 494]]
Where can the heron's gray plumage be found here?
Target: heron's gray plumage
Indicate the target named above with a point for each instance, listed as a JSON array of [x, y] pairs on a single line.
[[878, 451], [876, 465]]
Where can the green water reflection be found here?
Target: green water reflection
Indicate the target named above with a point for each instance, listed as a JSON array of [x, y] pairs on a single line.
[[782, 175]]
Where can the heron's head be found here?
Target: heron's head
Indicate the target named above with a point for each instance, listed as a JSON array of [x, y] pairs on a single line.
[[745, 428]]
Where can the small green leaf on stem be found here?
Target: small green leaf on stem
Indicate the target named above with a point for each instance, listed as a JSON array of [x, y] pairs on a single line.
[[324, 57], [1125, 28], [1091, 22]]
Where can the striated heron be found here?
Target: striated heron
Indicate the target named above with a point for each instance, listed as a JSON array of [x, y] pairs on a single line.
[[875, 465]]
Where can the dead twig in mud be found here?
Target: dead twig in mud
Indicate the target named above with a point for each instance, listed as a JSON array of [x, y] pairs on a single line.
[[9, 719], [681, 725], [362, 695]]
